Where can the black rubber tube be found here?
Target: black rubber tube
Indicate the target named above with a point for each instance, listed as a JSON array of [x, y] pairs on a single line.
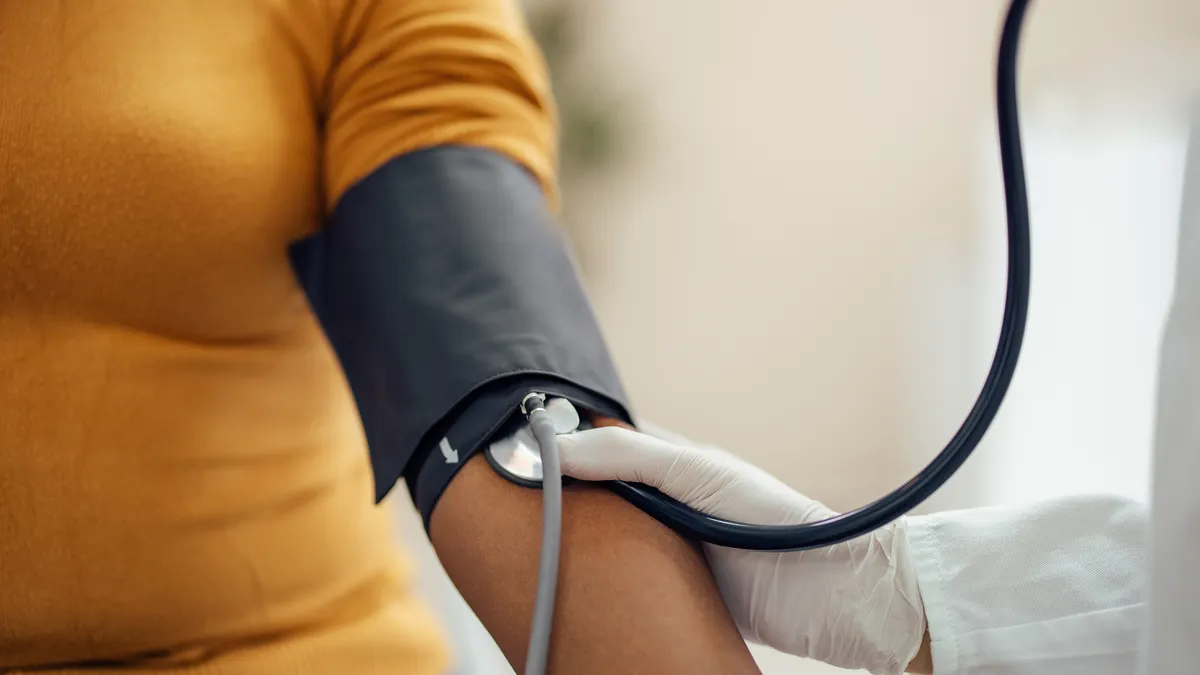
[[1012, 330]]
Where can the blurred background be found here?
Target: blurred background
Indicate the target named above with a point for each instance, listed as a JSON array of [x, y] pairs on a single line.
[[803, 200]]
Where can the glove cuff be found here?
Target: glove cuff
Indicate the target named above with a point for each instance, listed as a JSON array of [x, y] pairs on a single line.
[[902, 622], [872, 617]]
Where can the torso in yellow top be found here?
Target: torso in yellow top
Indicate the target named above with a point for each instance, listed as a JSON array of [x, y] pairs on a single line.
[[182, 471]]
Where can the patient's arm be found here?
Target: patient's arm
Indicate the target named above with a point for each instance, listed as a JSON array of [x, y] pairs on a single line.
[[633, 597]]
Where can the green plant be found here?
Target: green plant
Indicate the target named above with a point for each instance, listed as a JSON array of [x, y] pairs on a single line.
[[588, 113]]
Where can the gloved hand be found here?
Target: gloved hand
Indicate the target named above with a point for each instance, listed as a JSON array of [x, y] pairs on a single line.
[[854, 605]]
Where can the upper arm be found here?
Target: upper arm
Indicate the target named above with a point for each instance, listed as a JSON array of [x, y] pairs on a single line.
[[633, 596], [415, 74]]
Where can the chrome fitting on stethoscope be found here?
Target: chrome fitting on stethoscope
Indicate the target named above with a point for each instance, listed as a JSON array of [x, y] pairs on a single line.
[[533, 402]]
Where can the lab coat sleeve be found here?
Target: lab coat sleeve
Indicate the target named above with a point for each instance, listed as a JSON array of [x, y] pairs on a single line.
[[1053, 587]]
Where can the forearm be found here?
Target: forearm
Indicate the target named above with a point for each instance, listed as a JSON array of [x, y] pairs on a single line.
[[633, 596]]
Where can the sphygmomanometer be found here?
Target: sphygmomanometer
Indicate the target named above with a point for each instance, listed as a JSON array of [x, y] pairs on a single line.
[[448, 294], [456, 312]]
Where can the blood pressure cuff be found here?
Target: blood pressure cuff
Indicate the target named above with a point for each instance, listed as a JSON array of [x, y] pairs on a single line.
[[447, 293]]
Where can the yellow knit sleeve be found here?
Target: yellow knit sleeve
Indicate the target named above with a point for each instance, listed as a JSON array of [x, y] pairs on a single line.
[[413, 74]]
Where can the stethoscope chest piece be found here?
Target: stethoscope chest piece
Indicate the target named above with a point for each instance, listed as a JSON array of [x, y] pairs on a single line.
[[516, 456]]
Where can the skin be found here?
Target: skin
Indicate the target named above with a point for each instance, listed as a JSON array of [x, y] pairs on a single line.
[[922, 664], [633, 596]]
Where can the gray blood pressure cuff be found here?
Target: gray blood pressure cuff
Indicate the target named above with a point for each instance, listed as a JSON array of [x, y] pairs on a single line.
[[447, 292]]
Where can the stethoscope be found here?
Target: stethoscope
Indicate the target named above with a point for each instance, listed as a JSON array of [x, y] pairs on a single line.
[[525, 456]]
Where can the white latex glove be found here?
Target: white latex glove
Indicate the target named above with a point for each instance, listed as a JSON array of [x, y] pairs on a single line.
[[854, 605]]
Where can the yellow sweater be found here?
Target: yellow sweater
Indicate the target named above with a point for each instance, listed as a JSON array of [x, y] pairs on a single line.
[[184, 485]]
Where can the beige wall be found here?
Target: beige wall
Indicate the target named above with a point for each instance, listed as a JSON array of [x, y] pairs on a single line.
[[800, 167], [807, 175]]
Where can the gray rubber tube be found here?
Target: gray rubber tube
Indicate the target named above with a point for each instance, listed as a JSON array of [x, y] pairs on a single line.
[[542, 425]]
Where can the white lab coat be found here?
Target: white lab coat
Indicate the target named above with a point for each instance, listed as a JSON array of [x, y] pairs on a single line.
[[1085, 585], [1055, 588]]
